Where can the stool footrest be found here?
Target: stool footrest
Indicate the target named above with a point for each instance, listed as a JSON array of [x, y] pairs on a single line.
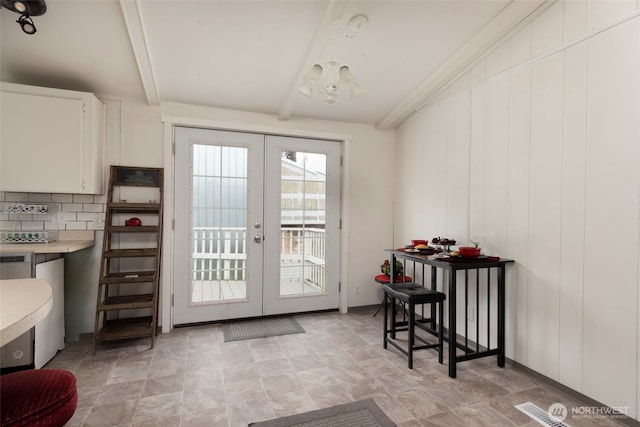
[[398, 346], [426, 344], [417, 322]]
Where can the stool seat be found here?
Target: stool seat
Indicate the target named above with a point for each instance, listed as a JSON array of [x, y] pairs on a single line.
[[412, 294], [37, 398]]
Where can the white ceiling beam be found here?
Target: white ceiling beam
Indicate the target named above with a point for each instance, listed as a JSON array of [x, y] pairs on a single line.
[[138, 39], [319, 38], [515, 13]]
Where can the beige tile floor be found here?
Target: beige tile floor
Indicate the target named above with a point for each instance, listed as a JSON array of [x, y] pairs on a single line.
[[193, 378]]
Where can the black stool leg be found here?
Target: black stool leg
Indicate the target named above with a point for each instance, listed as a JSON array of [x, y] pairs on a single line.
[[440, 329], [412, 331], [384, 328], [394, 314]]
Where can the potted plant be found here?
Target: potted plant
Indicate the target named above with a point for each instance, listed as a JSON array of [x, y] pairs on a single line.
[[385, 267]]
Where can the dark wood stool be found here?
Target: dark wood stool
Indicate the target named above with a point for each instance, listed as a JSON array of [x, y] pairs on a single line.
[[412, 295], [384, 279]]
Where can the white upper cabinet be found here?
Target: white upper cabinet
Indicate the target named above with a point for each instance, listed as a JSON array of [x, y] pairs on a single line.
[[51, 140]]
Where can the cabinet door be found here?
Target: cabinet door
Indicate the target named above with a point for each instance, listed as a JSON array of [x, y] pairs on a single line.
[[50, 330], [51, 143], [42, 143]]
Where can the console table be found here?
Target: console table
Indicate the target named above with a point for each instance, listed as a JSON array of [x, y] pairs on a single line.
[[451, 265]]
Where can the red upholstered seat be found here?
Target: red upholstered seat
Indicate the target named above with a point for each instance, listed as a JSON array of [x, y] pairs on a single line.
[[38, 397], [383, 278]]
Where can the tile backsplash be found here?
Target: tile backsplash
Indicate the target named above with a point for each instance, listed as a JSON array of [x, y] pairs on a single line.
[[66, 211]]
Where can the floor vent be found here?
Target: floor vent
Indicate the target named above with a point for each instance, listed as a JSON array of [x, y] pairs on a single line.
[[543, 417]]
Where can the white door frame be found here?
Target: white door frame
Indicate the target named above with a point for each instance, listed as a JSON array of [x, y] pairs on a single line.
[[166, 310], [184, 310]]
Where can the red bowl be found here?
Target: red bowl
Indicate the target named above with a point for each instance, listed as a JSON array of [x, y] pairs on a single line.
[[133, 222], [419, 242], [469, 251]]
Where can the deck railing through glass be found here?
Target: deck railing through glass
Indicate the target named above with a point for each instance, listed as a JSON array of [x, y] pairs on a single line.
[[219, 255]]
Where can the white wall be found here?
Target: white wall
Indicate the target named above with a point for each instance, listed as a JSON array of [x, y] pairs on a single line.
[[537, 148]]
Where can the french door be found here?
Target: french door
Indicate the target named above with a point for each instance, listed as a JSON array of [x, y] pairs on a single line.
[[256, 225]]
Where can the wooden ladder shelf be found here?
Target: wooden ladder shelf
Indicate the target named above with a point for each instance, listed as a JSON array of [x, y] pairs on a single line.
[[128, 286]]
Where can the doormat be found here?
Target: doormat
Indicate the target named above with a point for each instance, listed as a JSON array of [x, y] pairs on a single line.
[[261, 328], [364, 413]]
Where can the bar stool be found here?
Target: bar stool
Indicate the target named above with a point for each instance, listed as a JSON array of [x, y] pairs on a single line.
[[383, 279], [411, 294], [37, 398]]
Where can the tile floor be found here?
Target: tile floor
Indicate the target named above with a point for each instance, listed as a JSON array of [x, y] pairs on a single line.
[[193, 378]]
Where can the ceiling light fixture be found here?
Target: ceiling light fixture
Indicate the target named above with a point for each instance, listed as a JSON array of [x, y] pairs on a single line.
[[26, 23], [26, 9], [332, 78], [20, 6]]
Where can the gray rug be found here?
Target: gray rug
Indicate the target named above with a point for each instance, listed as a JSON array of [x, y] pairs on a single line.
[[260, 328], [364, 413]]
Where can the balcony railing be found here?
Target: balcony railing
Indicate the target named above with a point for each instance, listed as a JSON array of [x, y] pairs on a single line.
[[219, 254]]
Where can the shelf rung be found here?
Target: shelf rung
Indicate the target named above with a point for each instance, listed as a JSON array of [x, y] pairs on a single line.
[[133, 207], [131, 253], [129, 277], [127, 302], [125, 229], [126, 328]]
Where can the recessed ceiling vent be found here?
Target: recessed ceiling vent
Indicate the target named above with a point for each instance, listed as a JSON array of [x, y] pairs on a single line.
[[26, 9]]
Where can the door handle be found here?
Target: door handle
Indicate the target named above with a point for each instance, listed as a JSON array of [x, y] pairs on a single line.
[[257, 239]]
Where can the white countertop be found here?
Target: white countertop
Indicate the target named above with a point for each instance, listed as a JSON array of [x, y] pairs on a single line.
[[23, 303], [68, 241]]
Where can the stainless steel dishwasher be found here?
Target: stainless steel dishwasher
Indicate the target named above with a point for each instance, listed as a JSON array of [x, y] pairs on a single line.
[[18, 354]]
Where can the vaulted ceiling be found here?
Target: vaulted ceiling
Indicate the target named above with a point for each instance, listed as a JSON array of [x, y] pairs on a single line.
[[253, 55]]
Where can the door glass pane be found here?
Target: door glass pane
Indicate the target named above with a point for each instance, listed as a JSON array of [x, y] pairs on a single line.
[[302, 224], [219, 210]]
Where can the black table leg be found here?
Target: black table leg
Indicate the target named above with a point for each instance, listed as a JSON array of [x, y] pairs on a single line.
[[501, 315], [452, 323], [434, 272]]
